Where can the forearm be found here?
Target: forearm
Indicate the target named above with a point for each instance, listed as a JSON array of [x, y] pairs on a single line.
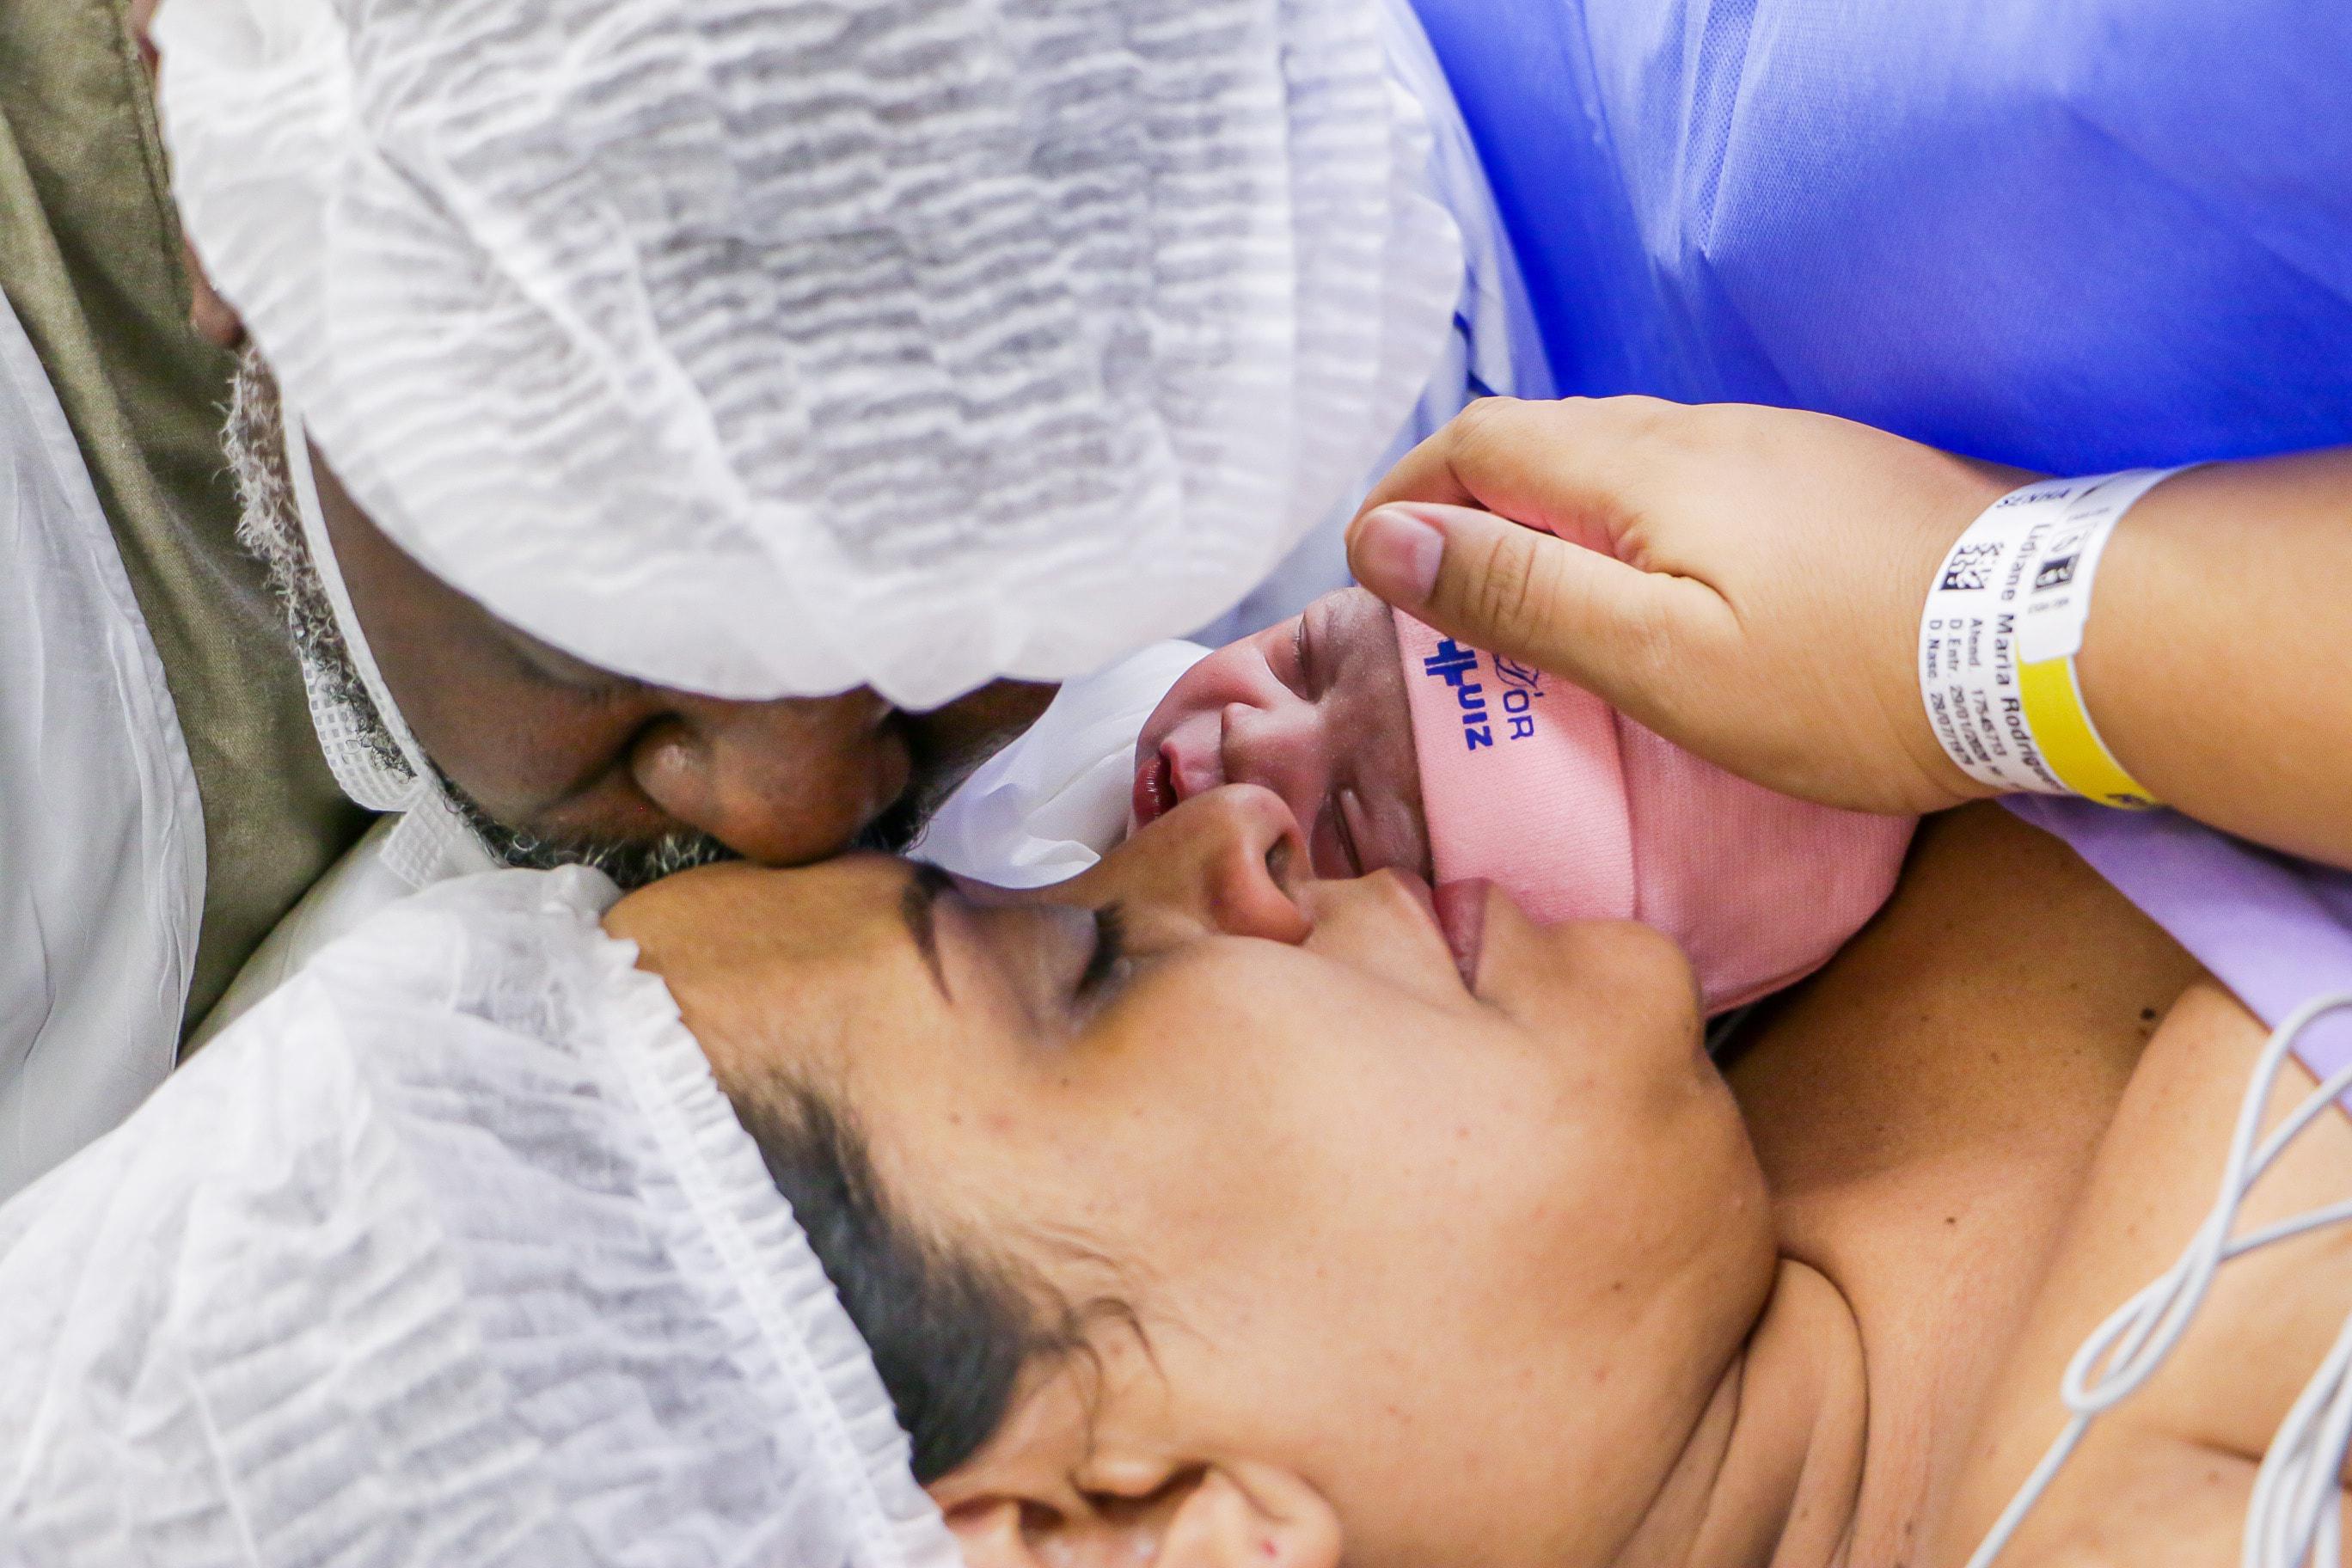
[[2218, 660]]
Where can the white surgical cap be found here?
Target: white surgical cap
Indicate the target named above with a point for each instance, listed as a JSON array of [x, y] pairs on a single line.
[[451, 1252], [772, 347]]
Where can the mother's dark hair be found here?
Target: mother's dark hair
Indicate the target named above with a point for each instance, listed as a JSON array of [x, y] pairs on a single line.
[[950, 1330]]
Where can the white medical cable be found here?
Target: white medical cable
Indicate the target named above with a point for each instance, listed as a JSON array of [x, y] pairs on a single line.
[[2294, 1509]]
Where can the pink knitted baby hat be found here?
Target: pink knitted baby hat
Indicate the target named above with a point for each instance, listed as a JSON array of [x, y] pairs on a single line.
[[1581, 813]]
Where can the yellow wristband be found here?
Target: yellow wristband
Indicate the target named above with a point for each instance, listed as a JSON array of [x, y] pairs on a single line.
[[2070, 742]]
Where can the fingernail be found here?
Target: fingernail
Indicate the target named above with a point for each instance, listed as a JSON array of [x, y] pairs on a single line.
[[1397, 554]]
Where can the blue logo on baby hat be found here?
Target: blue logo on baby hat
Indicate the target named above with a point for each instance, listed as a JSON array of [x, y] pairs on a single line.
[[1520, 686]]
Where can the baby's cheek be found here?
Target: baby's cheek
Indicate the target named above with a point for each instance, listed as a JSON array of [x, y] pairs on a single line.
[[1379, 791], [1367, 717]]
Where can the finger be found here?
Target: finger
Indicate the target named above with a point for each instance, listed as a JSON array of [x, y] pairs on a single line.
[[1611, 628], [1563, 466]]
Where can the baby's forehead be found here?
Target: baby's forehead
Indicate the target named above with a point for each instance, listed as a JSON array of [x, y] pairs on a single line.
[[1355, 613], [1350, 632]]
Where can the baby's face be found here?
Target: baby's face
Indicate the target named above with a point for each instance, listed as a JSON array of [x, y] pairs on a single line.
[[1313, 709]]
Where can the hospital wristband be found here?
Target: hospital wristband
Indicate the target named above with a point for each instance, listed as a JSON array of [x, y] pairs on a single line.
[[1998, 638]]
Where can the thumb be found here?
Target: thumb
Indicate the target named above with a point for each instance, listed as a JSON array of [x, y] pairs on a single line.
[[1615, 630]]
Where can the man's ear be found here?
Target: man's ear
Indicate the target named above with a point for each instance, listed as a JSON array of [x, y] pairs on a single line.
[[1224, 1516], [141, 18], [210, 317]]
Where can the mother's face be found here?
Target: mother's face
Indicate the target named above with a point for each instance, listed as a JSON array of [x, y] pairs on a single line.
[[1431, 1272]]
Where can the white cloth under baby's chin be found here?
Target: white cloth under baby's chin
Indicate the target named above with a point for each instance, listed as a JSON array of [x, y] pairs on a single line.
[[1054, 801]]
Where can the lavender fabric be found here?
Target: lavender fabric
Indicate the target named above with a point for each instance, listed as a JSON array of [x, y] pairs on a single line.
[[2275, 930]]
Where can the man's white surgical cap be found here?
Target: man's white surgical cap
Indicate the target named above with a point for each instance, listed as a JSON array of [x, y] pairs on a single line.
[[772, 347], [453, 1253]]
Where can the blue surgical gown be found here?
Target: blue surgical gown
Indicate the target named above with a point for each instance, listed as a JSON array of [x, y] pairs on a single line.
[[2071, 235]]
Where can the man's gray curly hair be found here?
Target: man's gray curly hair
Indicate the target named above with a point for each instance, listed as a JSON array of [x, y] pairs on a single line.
[[269, 526]]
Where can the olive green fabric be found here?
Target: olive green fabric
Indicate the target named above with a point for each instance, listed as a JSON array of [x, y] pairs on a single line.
[[91, 260]]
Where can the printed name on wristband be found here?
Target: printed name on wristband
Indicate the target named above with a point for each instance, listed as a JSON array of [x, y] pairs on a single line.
[[2003, 622]]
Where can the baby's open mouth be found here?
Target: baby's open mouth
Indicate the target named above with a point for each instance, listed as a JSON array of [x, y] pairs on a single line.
[[1155, 788], [1188, 761]]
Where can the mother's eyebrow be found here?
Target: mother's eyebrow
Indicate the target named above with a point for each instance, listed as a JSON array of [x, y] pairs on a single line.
[[919, 908]]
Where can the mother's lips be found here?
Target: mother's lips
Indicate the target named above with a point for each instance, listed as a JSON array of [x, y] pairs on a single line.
[[1459, 910], [1462, 916]]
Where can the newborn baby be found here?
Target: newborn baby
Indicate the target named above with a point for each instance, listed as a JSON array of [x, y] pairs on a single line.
[[1397, 747]]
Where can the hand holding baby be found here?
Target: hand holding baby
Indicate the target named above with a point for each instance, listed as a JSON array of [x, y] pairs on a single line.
[[1745, 581]]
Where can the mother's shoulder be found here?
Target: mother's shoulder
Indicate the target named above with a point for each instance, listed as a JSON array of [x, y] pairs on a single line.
[[2184, 1448], [1998, 1002], [1989, 906]]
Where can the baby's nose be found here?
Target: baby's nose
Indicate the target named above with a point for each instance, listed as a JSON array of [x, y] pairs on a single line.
[[1280, 745]]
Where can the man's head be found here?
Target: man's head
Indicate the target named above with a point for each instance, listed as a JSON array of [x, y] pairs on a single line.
[[1201, 1213], [666, 358], [554, 762]]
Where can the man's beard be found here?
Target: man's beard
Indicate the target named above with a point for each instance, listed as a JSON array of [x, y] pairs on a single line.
[[629, 863], [269, 526]]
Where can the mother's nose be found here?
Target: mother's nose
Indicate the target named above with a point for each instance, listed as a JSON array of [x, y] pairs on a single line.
[[1229, 860], [782, 782]]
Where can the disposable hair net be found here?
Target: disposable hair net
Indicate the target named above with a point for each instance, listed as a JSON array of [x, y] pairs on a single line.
[[764, 349], [452, 1252]]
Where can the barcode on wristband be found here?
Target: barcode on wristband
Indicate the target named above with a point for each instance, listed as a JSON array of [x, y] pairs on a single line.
[[2003, 621]]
